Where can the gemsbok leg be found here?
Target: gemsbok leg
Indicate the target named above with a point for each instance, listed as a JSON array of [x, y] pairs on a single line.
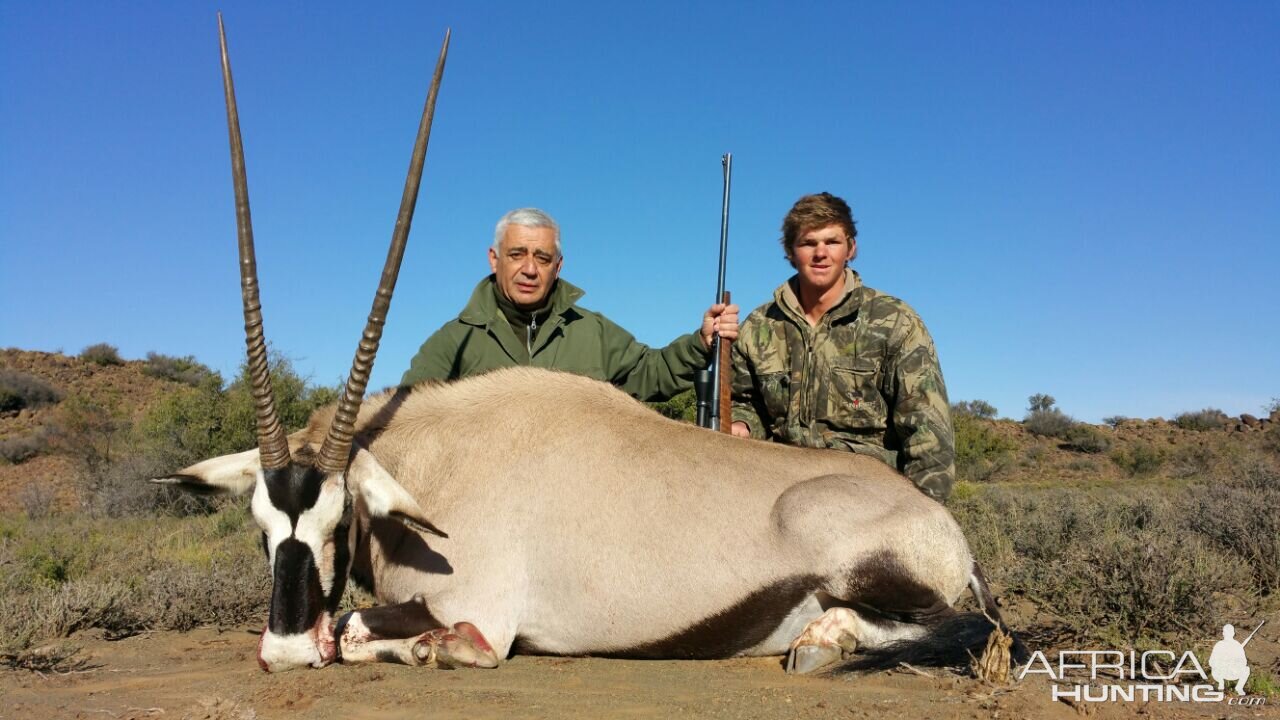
[[407, 634], [884, 591]]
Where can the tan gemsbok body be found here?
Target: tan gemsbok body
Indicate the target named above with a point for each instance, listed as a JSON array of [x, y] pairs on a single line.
[[543, 512]]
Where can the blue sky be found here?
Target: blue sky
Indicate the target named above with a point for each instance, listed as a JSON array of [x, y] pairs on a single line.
[[1079, 198]]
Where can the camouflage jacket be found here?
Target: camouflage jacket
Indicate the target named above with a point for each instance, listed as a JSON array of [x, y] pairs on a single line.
[[572, 339], [865, 379]]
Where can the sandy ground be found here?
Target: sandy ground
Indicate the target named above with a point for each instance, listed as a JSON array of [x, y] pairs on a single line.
[[212, 675]]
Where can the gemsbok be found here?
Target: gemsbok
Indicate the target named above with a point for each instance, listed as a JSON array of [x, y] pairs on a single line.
[[540, 512]]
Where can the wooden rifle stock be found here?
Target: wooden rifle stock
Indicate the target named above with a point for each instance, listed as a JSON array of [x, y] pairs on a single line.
[[726, 380]]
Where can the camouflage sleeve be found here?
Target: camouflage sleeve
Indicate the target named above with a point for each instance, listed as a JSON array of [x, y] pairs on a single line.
[[745, 400], [921, 413]]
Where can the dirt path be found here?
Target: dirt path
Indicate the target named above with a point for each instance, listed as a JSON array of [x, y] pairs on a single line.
[[212, 675]]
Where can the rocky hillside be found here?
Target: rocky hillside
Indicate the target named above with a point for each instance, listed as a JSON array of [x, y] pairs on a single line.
[[125, 389]]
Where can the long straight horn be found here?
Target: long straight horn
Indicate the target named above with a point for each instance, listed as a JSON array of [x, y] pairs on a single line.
[[272, 445], [337, 444]]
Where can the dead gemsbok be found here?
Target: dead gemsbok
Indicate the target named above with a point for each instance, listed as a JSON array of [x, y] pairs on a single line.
[[541, 512]]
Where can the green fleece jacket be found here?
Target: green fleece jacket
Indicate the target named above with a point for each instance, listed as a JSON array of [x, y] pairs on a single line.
[[568, 337]]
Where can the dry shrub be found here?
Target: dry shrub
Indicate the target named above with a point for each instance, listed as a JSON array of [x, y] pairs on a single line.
[[1035, 455], [121, 490], [1139, 459], [1083, 465], [102, 354], [226, 594], [37, 500], [1137, 587], [1115, 566], [1050, 422], [186, 370], [1192, 460], [1236, 512], [55, 658], [1087, 439], [90, 432], [69, 573], [19, 390], [19, 449], [1206, 419]]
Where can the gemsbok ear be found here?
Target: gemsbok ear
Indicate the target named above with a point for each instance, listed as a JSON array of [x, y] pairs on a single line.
[[235, 474], [383, 496]]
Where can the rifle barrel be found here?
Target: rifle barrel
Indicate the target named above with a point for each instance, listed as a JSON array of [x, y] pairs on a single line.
[[1255, 632], [726, 162], [719, 404]]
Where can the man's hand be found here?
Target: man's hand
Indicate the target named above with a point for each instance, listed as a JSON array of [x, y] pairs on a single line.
[[740, 429], [719, 319]]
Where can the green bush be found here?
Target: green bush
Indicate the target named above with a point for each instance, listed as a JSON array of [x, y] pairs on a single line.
[[681, 407], [981, 453], [1045, 420], [1049, 423], [91, 432], [1206, 419], [19, 390], [974, 408], [113, 455], [208, 420], [1088, 439], [1114, 420], [1139, 458], [101, 354], [185, 370], [1040, 401]]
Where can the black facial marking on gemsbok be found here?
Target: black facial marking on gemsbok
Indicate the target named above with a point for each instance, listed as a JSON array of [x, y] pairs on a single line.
[[579, 521], [293, 490], [296, 596]]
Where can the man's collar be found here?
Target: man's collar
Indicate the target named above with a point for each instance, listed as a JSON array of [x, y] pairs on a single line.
[[482, 308], [850, 298]]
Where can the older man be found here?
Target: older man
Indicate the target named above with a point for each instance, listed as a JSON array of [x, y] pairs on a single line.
[[831, 363], [524, 314]]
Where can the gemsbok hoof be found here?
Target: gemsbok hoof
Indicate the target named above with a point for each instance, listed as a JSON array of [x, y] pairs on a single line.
[[458, 647], [804, 659]]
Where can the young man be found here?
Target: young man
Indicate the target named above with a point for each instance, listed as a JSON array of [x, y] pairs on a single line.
[[524, 314], [832, 363]]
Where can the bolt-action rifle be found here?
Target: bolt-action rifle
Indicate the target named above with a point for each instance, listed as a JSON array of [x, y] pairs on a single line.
[[1255, 632], [712, 385]]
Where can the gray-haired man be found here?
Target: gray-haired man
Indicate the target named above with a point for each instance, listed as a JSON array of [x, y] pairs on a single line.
[[524, 314]]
